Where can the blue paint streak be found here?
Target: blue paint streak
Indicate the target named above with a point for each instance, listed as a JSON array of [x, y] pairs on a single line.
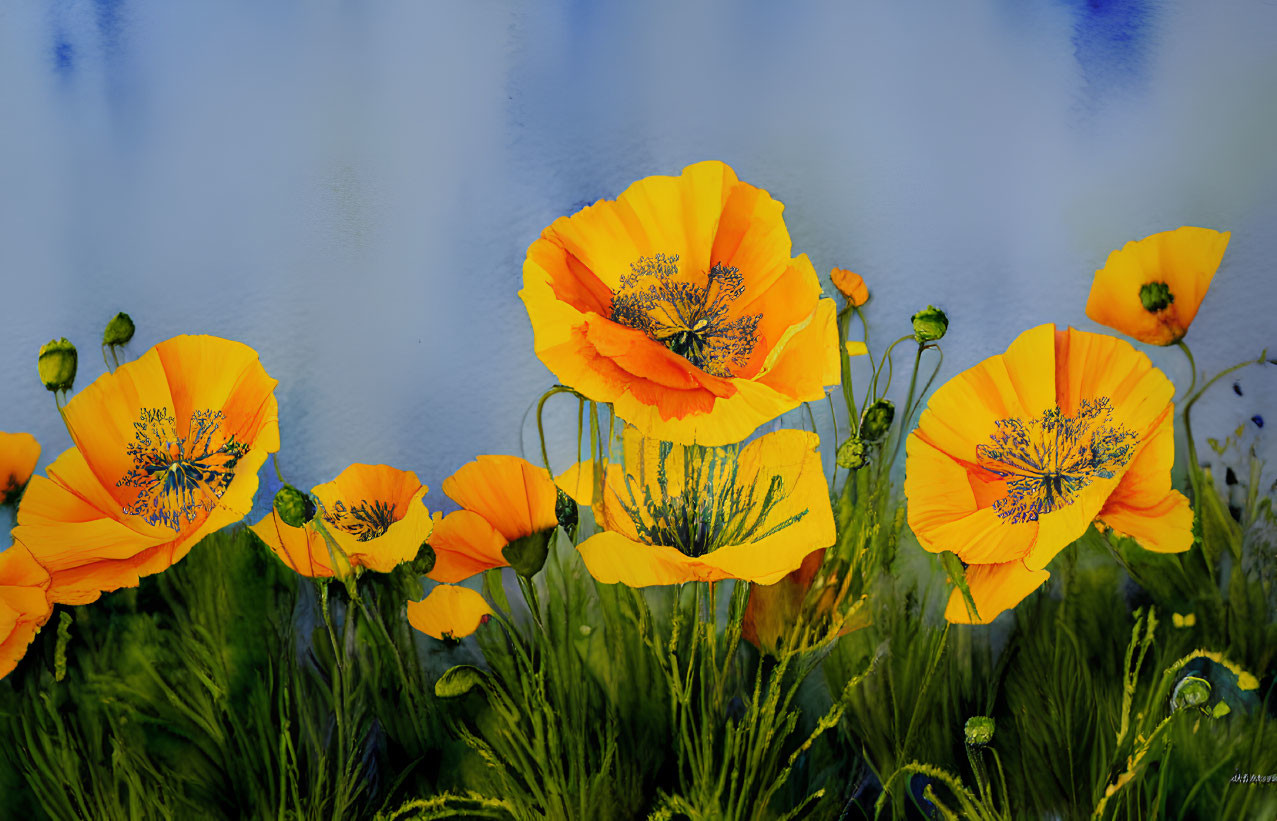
[[1110, 39], [63, 55], [110, 21]]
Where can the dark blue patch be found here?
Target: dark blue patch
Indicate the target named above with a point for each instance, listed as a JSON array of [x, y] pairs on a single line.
[[1258, 420], [110, 21], [1110, 39], [1237, 388], [63, 55]]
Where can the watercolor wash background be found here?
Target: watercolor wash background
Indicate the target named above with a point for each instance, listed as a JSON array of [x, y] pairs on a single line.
[[350, 187]]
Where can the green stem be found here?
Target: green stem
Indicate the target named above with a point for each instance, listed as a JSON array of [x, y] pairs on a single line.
[[545, 455], [848, 395]]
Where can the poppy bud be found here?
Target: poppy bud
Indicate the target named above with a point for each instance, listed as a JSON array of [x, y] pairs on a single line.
[[1191, 691], [293, 506], [929, 325], [876, 420], [565, 510], [978, 731], [56, 364], [850, 285], [1155, 296], [118, 331], [852, 454]]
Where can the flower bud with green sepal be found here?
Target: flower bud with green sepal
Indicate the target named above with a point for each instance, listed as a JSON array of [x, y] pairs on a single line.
[[929, 325], [978, 731], [118, 331], [294, 507], [875, 422], [57, 364], [527, 553], [853, 454]]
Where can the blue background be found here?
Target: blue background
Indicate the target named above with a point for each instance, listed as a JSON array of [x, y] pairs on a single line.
[[350, 188]]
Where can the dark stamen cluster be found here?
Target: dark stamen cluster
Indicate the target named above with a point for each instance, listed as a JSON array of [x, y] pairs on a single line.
[[690, 320]]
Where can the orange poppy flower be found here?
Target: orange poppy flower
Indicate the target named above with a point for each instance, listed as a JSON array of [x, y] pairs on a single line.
[[375, 515], [688, 513], [1014, 458], [167, 450], [504, 499], [679, 304], [1151, 289], [449, 611], [18, 454], [850, 285], [24, 604], [773, 609]]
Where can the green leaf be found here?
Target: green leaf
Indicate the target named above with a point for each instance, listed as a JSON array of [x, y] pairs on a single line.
[[459, 680]]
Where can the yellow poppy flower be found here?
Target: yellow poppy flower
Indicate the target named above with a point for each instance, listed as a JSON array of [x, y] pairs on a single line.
[[679, 304], [18, 454], [850, 285], [686, 513], [24, 604], [1151, 289], [1014, 458], [504, 499], [450, 611], [167, 450], [375, 514]]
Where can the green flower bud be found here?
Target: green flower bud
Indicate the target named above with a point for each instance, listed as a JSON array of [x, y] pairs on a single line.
[[1155, 296], [527, 554], [852, 454], [57, 364], [565, 510], [425, 561], [978, 731], [929, 325], [293, 506], [119, 330], [876, 420], [1191, 691]]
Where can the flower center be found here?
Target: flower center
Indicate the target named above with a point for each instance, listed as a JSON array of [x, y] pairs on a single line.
[[179, 478], [691, 321], [711, 510], [1155, 296], [364, 521], [1049, 459]]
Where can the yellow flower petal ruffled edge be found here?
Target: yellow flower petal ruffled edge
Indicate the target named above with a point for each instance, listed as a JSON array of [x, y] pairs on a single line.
[[449, 611], [1184, 260], [617, 556], [951, 500]]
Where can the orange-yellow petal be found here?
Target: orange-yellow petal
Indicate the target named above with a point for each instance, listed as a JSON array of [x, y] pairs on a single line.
[[850, 285], [1180, 264], [516, 497], [449, 611], [465, 544], [18, 454], [303, 549], [994, 588], [24, 604]]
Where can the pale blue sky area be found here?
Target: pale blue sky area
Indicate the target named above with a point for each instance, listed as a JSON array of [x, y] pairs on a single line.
[[351, 187]]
